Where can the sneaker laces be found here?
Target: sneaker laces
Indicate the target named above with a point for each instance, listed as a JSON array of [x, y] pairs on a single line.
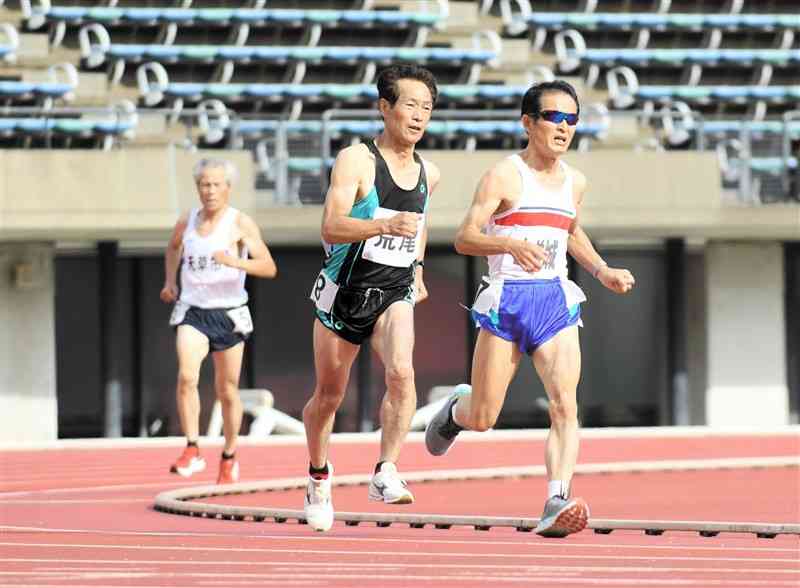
[[321, 495]]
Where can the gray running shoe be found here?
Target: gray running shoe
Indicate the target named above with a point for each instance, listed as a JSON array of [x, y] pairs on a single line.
[[441, 431], [562, 517], [387, 486]]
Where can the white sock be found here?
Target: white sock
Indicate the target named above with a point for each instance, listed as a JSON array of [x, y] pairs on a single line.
[[453, 414], [557, 488]]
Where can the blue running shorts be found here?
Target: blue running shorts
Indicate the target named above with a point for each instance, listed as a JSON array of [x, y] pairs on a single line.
[[527, 312]]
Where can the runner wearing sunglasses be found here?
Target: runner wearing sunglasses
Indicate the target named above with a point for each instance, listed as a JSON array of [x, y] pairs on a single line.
[[524, 218]]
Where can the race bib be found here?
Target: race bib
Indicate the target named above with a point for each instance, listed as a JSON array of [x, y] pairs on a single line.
[[572, 293], [487, 299], [178, 313], [242, 321], [324, 292], [390, 249]]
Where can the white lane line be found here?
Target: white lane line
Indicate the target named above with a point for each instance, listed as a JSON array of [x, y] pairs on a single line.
[[406, 575], [307, 536], [98, 501], [207, 562], [387, 554], [555, 580]]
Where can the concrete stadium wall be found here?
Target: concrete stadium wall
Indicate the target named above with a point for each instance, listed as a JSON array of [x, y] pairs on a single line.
[[137, 194], [28, 409]]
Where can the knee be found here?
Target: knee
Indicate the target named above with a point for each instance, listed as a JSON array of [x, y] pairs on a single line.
[[187, 382], [563, 410], [227, 392], [399, 376], [325, 400]]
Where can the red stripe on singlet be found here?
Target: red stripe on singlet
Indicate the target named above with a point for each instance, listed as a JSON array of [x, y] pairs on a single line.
[[531, 219]]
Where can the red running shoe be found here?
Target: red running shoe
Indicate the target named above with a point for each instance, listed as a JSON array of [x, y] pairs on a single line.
[[190, 462]]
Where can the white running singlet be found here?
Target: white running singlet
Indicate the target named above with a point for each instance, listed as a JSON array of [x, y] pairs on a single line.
[[204, 282], [542, 215]]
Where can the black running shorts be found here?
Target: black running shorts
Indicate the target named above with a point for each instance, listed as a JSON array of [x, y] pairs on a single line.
[[356, 310], [215, 324]]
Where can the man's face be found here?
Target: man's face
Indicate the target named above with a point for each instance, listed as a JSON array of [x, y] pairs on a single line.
[[409, 117], [213, 189], [548, 137]]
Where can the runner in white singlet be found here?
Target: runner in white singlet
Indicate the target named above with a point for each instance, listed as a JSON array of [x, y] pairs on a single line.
[[216, 246], [529, 205]]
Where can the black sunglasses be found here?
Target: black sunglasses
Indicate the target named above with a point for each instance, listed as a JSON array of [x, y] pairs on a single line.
[[556, 116]]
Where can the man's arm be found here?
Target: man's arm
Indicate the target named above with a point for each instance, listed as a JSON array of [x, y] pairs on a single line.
[[260, 263], [172, 260], [337, 225], [580, 247], [434, 175], [499, 182]]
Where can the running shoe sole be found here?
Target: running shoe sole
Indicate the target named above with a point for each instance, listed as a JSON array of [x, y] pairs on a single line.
[[195, 467], [573, 518], [377, 496]]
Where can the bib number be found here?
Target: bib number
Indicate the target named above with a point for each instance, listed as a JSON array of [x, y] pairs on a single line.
[[390, 249], [178, 313], [324, 292], [242, 321]]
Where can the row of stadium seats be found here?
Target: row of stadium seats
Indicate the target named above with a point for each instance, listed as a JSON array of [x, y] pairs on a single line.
[[185, 53], [455, 93], [682, 57], [189, 16], [555, 21]]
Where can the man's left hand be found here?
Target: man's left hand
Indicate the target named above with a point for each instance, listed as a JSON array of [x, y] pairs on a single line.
[[225, 258], [617, 280], [419, 286]]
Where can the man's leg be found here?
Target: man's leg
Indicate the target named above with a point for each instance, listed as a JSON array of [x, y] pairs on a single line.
[[227, 369], [558, 363], [494, 364], [192, 348], [393, 341], [475, 407], [333, 358]]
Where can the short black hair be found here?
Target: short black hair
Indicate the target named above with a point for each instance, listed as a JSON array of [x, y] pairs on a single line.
[[388, 78], [532, 100]]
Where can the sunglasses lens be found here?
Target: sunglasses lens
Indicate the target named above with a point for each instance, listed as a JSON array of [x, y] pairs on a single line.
[[557, 117]]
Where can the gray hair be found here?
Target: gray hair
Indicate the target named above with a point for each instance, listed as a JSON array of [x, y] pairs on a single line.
[[231, 174]]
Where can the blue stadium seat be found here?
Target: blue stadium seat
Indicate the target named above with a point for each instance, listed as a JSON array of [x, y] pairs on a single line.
[[722, 93], [455, 93], [679, 57], [663, 21], [81, 15], [136, 53], [47, 89]]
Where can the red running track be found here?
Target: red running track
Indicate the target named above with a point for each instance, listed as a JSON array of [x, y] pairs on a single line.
[[84, 517]]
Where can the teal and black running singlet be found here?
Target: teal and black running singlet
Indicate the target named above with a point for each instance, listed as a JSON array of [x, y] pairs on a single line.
[[360, 280]]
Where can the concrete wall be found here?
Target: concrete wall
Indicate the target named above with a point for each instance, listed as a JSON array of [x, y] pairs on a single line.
[[28, 409], [136, 194], [746, 335], [101, 195]]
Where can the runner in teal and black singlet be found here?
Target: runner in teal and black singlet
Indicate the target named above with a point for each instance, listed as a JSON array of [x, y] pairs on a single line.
[[373, 274], [373, 230]]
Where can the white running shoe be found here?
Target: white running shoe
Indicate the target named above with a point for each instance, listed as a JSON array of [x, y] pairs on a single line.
[[387, 486], [318, 504]]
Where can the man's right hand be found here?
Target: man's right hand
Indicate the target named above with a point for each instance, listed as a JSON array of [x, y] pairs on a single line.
[[403, 224], [528, 256], [169, 293]]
